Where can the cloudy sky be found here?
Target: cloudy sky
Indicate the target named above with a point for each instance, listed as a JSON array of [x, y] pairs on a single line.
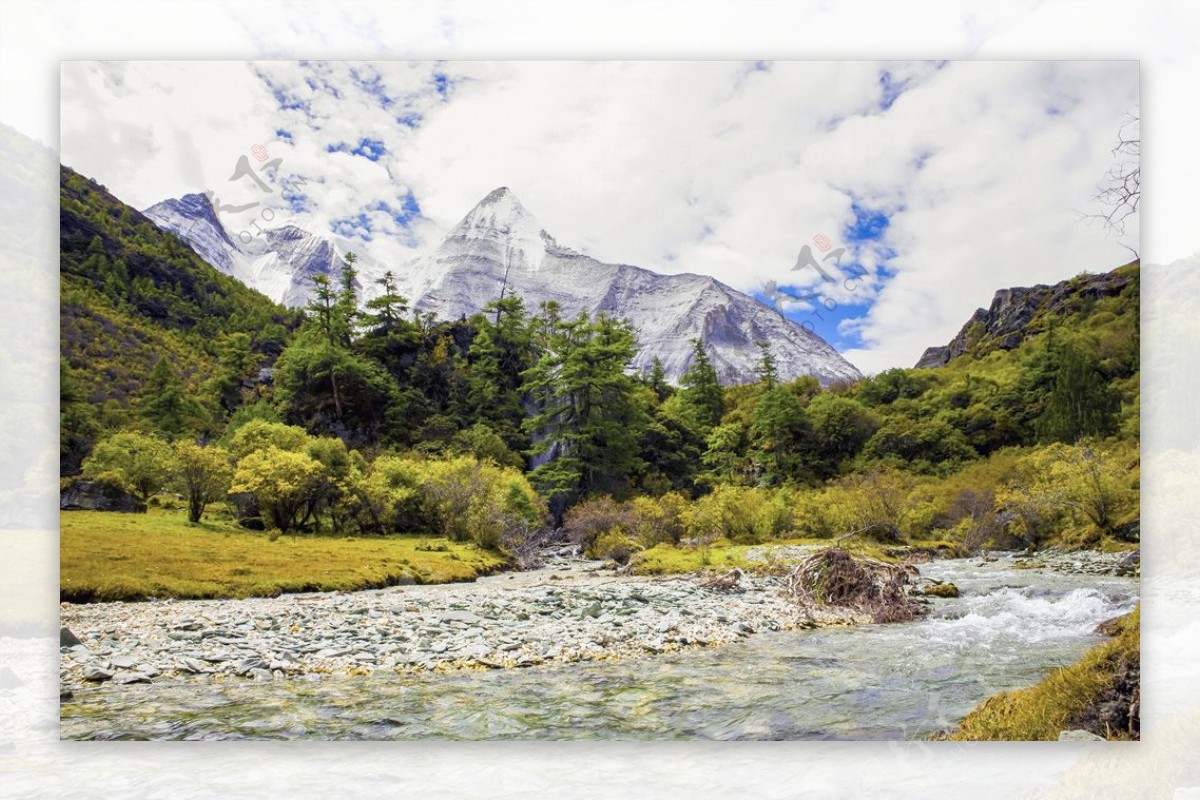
[[943, 181]]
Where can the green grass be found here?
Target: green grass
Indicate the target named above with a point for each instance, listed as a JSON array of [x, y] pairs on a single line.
[[724, 555], [1061, 699], [109, 556]]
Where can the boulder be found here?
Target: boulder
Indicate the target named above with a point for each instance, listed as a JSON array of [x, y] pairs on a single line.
[[98, 496], [96, 673], [128, 677], [67, 639], [1130, 565], [1078, 736], [941, 590]]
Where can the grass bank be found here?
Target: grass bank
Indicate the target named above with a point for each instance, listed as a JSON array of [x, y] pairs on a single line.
[[109, 556], [724, 555], [1097, 693]]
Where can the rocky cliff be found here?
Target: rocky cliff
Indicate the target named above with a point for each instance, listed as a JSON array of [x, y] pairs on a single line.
[[1016, 314]]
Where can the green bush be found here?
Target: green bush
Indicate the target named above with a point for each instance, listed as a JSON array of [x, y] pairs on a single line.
[[741, 514], [615, 545], [660, 520], [586, 522], [462, 498]]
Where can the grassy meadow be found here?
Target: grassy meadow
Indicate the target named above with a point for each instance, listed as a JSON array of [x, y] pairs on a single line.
[[108, 556]]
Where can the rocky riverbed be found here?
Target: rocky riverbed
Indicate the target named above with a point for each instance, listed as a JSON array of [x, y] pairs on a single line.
[[567, 612], [1096, 563]]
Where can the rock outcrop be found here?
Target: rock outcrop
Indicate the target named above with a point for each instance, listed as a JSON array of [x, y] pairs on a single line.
[[99, 496], [1015, 314]]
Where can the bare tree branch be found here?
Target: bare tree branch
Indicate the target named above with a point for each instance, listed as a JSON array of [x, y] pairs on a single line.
[[1121, 193]]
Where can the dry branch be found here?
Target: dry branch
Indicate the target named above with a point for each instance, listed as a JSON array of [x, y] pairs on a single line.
[[833, 577], [724, 582]]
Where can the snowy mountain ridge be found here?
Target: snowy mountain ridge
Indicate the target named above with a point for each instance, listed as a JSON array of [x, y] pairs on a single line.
[[499, 246]]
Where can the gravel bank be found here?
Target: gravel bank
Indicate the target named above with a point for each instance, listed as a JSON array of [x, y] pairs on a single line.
[[566, 612]]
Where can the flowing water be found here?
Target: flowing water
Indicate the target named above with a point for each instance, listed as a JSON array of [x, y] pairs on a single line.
[[897, 681]]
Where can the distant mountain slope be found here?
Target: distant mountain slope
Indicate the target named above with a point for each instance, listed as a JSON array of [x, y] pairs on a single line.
[[499, 246], [279, 263], [1019, 313], [132, 293]]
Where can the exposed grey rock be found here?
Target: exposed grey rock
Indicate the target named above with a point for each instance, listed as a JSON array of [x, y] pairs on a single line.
[[98, 496], [128, 677], [66, 639], [1079, 736], [185, 636], [494, 622]]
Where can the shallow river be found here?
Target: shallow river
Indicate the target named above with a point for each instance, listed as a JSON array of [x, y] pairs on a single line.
[[898, 681]]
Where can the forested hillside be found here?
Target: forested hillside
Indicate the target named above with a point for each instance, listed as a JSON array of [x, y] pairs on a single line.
[[138, 306]]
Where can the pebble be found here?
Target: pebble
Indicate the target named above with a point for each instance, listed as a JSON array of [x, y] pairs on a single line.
[[94, 673]]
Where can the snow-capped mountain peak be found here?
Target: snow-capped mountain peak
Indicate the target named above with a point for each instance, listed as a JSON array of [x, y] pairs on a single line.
[[500, 212], [193, 218]]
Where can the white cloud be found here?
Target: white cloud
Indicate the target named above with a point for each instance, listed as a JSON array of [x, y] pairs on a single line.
[[724, 168]]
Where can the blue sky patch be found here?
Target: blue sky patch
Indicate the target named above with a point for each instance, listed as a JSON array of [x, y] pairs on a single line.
[[354, 227], [889, 89], [442, 83], [299, 202], [410, 119], [867, 229], [370, 149], [372, 85], [404, 213], [824, 316], [868, 225]]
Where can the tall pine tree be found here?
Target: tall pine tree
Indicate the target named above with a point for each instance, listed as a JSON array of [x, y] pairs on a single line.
[[701, 397], [590, 411]]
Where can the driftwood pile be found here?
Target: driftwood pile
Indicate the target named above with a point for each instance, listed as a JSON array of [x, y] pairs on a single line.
[[833, 577]]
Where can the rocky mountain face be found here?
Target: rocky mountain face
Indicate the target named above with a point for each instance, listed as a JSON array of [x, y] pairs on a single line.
[[278, 262], [1010, 320], [499, 247]]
